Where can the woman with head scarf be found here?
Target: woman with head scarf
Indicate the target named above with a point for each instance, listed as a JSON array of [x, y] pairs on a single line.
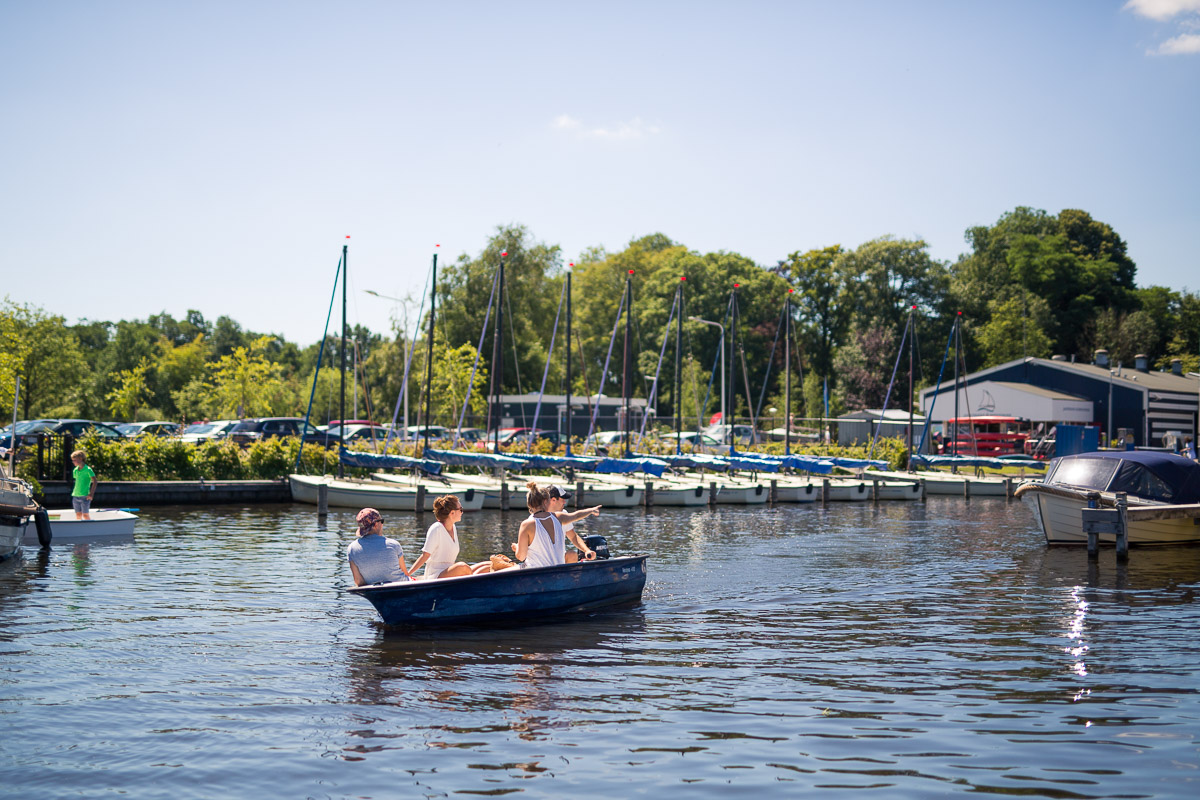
[[373, 557]]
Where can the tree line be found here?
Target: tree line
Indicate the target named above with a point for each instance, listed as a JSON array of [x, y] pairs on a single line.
[[1032, 284]]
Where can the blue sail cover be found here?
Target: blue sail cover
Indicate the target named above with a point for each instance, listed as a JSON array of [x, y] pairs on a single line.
[[857, 463], [358, 458], [980, 461], [623, 466], [458, 458], [534, 461]]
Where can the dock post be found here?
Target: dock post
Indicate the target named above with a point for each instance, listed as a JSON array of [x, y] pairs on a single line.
[[875, 490], [648, 494], [966, 487], [1008, 490], [712, 493], [1122, 527], [419, 505], [504, 495], [824, 491], [579, 494], [323, 499], [773, 497], [922, 482]]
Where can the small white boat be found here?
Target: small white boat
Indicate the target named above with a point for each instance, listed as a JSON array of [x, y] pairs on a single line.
[[732, 491], [794, 491], [105, 523], [1162, 491], [951, 484], [357, 493], [680, 493]]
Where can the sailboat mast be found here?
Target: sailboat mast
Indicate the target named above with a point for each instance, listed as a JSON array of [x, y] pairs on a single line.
[[912, 346], [342, 399], [567, 352], [429, 348], [498, 355], [628, 381], [679, 368], [957, 344], [787, 371]]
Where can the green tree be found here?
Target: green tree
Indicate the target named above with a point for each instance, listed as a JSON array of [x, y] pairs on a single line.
[[44, 351], [824, 304], [1014, 331], [245, 384], [131, 391]]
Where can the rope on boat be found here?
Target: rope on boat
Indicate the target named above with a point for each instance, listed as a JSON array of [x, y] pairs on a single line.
[[320, 353], [545, 373], [471, 381], [604, 373], [888, 396]]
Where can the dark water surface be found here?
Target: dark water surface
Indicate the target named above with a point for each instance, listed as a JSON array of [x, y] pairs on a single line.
[[891, 650]]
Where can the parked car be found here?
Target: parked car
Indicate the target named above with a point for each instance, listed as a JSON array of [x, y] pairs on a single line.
[[199, 432], [516, 436], [249, 431], [693, 441], [134, 430], [353, 432], [435, 431], [26, 432], [741, 434], [602, 441]]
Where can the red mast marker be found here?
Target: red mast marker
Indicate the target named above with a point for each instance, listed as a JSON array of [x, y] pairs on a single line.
[[630, 272], [503, 253]]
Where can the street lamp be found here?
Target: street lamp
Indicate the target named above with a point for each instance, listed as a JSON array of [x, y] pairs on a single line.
[[721, 352]]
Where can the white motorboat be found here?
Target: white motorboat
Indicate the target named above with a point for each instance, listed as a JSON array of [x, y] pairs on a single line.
[[104, 523], [952, 484], [1162, 491], [358, 493], [16, 509]]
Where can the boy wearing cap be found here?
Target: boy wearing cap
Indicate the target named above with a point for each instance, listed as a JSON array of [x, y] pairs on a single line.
[[373, 557]]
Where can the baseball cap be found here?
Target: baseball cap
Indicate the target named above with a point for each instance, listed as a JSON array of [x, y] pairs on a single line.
[[559, 491]]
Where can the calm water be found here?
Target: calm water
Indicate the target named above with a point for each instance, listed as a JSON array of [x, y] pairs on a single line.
[[903, 649]]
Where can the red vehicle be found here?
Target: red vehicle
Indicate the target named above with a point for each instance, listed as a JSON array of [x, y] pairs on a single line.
[[983, 436]]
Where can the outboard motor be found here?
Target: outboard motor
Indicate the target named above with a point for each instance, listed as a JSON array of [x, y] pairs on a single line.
[[41, 520], [598, 544]]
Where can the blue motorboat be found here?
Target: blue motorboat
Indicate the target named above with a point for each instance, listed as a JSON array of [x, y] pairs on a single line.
[[510, 595]]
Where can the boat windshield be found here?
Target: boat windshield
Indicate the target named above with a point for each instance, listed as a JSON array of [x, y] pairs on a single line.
[[1086, 473], [1137, 481]]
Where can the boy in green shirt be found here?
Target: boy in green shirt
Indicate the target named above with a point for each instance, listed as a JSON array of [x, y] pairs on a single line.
[[85, 486]]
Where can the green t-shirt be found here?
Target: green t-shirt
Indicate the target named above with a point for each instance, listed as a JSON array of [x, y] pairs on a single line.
[[83, 481]]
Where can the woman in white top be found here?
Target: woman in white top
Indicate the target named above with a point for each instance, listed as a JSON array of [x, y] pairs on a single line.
[[439, 554], [541, 541]]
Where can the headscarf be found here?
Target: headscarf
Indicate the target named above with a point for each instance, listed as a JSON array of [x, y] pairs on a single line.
[[366, 520]]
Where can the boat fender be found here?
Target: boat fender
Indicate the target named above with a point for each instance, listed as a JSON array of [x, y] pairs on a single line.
[[597, 543], [41, 520]]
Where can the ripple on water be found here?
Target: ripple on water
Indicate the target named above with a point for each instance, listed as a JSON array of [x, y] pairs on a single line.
[[901, 649]]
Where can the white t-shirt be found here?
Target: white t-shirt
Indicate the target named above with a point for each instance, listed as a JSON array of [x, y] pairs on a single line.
[[442, 550], [542, 552]]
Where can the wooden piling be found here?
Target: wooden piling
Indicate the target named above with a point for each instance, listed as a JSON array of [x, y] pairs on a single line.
[[579, 495], [648, 494], [323, 499], [712, 493], [504, 498], [875, 490], [1123, 527], [966, 487], [922, 482], [419, 505], [1008, 489], [773, 497], [824, 491]]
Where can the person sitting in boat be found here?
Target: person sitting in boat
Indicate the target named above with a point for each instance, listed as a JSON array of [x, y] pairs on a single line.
[[439, 555], [541, 541], [373, 557]]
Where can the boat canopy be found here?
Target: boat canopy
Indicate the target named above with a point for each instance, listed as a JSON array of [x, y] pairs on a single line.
[[1163, 477], [978, 461], [534, 461], [622, 466], [458, 458], [358, 458]]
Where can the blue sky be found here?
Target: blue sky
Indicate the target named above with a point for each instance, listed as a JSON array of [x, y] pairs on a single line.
[[213, 155]]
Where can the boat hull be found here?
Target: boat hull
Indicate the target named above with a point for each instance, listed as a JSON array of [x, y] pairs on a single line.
[[797, 492], [376, 494], [741, 494], [511, 595], [1062, 523], [670, 494], [108, 523], [12, 530]]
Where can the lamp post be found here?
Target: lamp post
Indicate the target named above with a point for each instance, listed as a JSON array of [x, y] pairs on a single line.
[[721, 358]]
